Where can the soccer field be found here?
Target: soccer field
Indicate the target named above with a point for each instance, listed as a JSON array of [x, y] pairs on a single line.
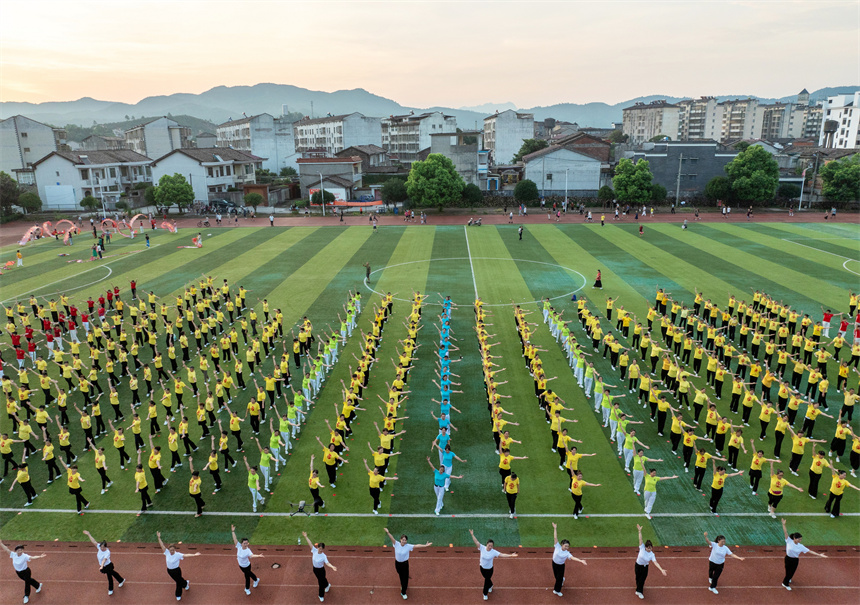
[[308, 271]]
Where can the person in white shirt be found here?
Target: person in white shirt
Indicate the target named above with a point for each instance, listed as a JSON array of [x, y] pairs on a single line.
[[402, 548], [244, 556], [173, 559], [643, 560], [488, 555], [320, 561], [559, 557], [105, 563], [20, 562], [793, 550], [717, 559]]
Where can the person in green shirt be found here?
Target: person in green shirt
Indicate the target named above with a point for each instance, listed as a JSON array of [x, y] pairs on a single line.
[[254, 484], [265, 460]]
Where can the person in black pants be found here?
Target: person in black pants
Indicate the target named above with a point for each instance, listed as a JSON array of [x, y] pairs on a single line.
[[244, 556], [717, 560], [174, 559], [643, 560], [320, 561], [837, 487], [314, 484], [20, 561], [793, 550], [488, 555], [105, 564], [559, 557], [402, 548]]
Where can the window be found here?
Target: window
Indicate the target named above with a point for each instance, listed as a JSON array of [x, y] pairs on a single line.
[[23, 135], [694, 160], [26, 150]]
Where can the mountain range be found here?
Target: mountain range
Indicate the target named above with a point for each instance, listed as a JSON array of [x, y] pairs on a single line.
[[222, 103]]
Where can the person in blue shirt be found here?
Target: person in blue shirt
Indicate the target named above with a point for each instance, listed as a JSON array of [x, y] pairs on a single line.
[[444, 421], [447, 457], [440, 479], [441, 442]]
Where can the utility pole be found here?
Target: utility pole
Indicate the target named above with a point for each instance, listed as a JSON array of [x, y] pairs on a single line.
[[678, 181], [322, 194], [814, 175]]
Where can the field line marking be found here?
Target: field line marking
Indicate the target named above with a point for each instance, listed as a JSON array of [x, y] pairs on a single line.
[[407, 515], [469, 253], [848, 259]]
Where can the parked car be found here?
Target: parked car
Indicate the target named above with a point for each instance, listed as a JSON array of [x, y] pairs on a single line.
[[223, 205]]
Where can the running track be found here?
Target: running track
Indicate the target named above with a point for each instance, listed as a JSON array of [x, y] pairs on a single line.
[[439, 575]]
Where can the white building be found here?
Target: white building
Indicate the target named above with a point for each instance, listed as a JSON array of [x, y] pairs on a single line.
[[158, 137], [555, 170], [505, 132], [210, 171], [340, 176], [644, 121], [64, 178], [841, 122], [332, 134], [466, 151], [262, 135], [404, 136], [24, 141]]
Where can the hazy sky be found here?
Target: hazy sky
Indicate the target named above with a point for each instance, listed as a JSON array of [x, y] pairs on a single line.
[[428, 53]]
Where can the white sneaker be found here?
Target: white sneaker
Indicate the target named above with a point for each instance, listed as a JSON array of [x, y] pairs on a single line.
[[640, 595], [404, 597], [110, 592], [486, 598], [715, 591], [247, 591], [327, 588], [786, 587], [558, 594], [256, 582]]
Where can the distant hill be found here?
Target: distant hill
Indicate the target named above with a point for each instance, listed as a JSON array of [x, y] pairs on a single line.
[[224, 102]]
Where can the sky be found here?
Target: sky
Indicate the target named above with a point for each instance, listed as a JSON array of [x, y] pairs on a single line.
[[430, 53]]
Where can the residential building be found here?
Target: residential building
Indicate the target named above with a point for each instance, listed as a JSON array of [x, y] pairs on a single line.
[[587, 144], [465, 150], [96, 142], [644, 121], [404, 136], [262, 135], [504, 133], [211, 171], [841, 125], [699, 119], [340, 176], [206, 139], [64, 178], [741, 119], [23, 141], [557, 170], [372, 156], [158, 137], [335, 133], [685, 166]]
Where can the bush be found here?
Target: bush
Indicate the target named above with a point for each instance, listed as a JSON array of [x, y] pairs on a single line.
[[526, 191], [472, 195], [788, 191], [606, 194], [658, 193]]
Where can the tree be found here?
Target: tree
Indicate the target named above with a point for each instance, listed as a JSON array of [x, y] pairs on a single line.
[[472, 195], [841, 179], [658, 138], [149, 195], [265, 176], [434, 182], [788, 191], [616, 136], [174, 190], [632, 182], [394, 191], [526, 191], [328, 197], [30, 202], [253, 200], [658, 193], [9, 193], [287, 171], [529, 146], [741, 145], [90, 203], [719, 188], [754, 175], [606, 194]]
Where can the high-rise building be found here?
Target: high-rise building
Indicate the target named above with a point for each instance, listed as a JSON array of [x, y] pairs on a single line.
[[644, 121]]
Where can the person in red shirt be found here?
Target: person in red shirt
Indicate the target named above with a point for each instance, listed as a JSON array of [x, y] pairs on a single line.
[[102, 302], [116, 291], [16, 340], [85, 319], [19, 355], [28, 333], [133, 290], [110, 298], [31, 349], [90, 304]]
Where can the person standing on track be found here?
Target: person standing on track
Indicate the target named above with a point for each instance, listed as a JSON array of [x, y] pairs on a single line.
[[20, 561], [105, 564], [244, 556], [717, 559], [402, 548], [488, 555], [646, 556], [174, 559], [320, 561], [793, 550], [559, 557]]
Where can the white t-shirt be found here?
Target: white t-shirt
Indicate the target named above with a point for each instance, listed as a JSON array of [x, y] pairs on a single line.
[[174, 559], [794, 550], [718, 553], [319, 558], [401, 553], [243, 555], [19, 562], [488, 556], [103, 556], [559, 556], [644, 557]]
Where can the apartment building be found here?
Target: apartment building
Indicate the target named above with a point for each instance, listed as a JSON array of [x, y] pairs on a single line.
[[262, 135], [642, 122], [24, 141], [331, 134], [504, 133], [157, 137], [405, 136], [841, 122]]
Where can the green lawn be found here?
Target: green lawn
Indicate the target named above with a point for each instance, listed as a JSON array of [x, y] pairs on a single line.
[[309, 271]]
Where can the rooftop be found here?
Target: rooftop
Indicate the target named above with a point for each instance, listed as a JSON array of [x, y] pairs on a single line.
[[212, 154], [101, 157]]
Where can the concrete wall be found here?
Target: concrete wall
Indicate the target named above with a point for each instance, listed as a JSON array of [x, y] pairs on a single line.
[[548, 171], [510, 132], [361, 130], [193, 172], [56, 172], [701, 163]]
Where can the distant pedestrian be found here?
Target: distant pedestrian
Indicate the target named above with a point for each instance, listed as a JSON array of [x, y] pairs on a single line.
[[598, 282], [20, 562], [147, 240], [272, 220], [488, 555], [643, 560], [520, 231], [367, 271], [20, 258], [105, 563], [402, 548], [641, 230], [511, 217]]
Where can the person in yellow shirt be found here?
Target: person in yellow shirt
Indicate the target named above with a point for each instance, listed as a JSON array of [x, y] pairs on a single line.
[[376, 480], [819, 463], [837, 487], [314, 485], [798, 445], [100, 460], [756, 463], [718, 483], [74, 481], [194, 487], [22, 478], [141, 486], [778, 483], [576, 485]]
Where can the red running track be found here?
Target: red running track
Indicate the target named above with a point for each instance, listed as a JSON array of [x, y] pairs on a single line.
[[439, 575]]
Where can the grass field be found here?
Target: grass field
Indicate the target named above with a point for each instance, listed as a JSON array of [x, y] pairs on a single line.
[[308, 271]]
